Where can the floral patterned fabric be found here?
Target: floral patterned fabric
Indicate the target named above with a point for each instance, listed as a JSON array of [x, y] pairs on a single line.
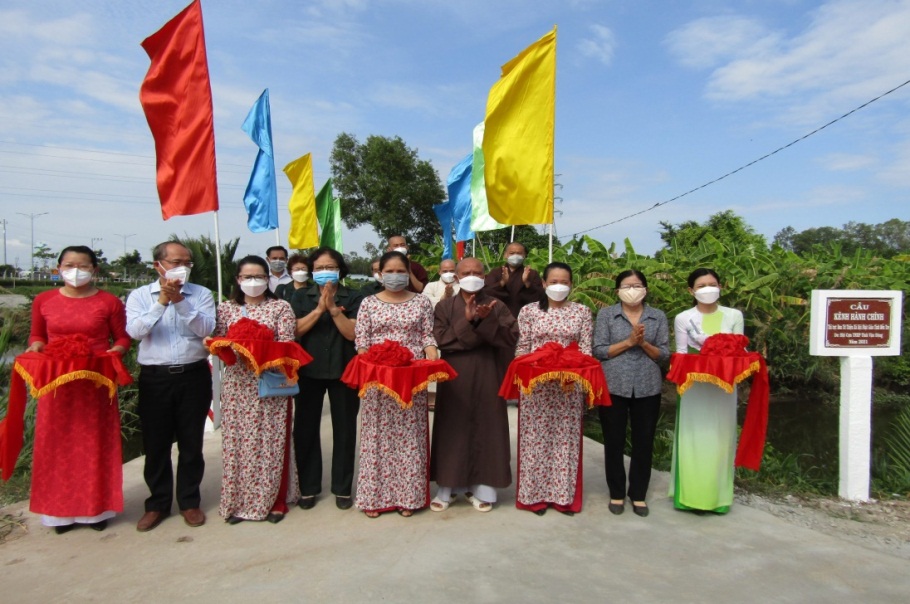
[[255, 431], [549, 418], [394, 451]]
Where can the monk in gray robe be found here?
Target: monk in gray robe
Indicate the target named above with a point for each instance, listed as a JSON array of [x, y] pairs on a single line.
[[470, 448]]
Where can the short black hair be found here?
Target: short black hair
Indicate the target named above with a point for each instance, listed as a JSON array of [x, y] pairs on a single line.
[[336, 256], [701, 272], [79, 249], [276, 247], [391, 256], [544, 298], [631, 273]]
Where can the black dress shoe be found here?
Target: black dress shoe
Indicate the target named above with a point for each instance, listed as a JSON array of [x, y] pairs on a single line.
[[307, 503], [616, 508], [64, 529], [275, 517], [98, 526], [541, 511], [640, 510], [567, 512], [343, 503], [234, 520]]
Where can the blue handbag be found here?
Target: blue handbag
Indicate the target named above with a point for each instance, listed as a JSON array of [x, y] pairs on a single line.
[[275, 383]]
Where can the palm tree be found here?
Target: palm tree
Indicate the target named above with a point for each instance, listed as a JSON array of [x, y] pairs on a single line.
[[204, 266]]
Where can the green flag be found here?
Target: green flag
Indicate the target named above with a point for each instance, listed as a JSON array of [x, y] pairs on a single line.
[[328, 212]]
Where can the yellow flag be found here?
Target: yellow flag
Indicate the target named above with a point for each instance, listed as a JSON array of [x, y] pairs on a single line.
[[302, 205], [518, 138]]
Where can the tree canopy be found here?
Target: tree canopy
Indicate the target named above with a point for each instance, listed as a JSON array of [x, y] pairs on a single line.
[[724, 226], [384, 184], [886, 239]]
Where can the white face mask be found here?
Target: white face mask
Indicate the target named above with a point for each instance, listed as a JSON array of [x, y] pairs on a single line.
[[181, 273], [708, 295], [447, 277], [558, 292], [471, 284], [378, 277], [401, 250], [75, 277], [632, 296], [300, 276], [515, 260], [254, 288]]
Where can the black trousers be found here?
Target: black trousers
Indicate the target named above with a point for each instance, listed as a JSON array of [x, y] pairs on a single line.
[[173, 406], [344, 405], [642, 413]]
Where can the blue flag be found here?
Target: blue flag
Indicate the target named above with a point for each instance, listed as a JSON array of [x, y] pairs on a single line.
[[444, 214], [459, 184], [261, 195]]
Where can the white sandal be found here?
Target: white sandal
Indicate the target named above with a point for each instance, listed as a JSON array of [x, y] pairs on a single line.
[[480, 506], [438, 505]]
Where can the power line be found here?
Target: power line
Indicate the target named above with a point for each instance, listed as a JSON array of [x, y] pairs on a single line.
[[743, 167]]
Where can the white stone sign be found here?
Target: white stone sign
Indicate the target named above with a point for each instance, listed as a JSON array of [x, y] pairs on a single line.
[[855, 325]]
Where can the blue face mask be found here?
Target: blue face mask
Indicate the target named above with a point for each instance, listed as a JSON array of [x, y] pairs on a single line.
[[325, 277]]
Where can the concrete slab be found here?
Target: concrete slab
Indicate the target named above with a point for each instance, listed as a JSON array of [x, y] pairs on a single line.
[[326, 554]]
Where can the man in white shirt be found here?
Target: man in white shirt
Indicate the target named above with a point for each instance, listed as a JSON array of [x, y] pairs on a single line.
[[277, 258], [170, 317], [446, 287]]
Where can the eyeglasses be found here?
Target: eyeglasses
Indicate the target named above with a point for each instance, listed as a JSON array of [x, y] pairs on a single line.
[[631, 287], [330, 267], [186, 263], [251, 277]]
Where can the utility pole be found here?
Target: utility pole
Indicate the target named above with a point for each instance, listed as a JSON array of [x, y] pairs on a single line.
[[94, 239], [31, 266], [4, 222]]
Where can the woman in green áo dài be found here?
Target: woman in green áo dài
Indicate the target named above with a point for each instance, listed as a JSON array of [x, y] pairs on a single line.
[[705, 442]]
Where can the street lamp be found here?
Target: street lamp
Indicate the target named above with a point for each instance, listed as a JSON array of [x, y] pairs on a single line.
[[31, 266]]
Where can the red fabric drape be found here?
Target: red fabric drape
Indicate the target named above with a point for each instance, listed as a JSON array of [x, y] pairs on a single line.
[[42, 374], [262, 355], [725, 372], [552, 361], [176, 96], [390, 367]]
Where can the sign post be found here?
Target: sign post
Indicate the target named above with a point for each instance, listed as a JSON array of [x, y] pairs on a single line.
[[855, 325]]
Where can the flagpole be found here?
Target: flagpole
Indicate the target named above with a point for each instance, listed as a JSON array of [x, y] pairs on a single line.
[[277, 236], [216, 362], [513, 234], [551, 242]]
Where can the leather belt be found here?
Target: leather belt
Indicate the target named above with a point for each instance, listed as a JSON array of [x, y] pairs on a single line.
[[174, 369]]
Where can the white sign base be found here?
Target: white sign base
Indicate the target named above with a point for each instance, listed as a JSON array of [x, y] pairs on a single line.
[[855, 427]]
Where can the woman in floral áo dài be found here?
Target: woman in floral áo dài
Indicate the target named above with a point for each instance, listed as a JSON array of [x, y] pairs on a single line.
[[549, 418], [394, 452], [259, 477]]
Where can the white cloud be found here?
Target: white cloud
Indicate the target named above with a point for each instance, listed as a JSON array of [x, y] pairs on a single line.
[[705, 42], [846, 162], [600, 45], [850, 50]]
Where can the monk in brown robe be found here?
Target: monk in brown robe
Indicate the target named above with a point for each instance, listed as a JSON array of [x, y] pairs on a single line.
[[514, 283], [470, 448]]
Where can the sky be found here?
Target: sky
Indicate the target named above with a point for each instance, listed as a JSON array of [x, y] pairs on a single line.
[[653, 99]]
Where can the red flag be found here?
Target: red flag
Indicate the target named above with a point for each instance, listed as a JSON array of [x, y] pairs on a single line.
[[177, 99]]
